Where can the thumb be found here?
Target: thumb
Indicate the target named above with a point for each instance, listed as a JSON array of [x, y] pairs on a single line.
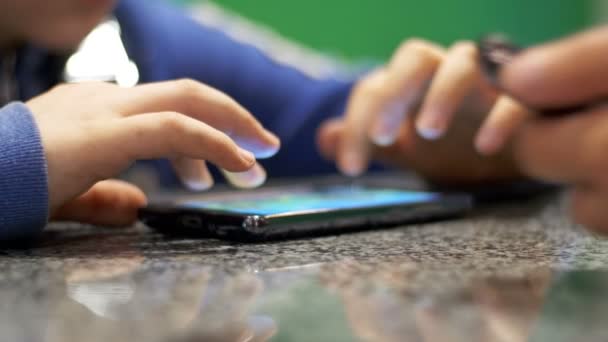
[[568, 72], [108, 203]]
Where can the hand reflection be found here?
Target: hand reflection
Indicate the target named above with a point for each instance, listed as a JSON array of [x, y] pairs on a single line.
[[225, 313], [123, 298], [405, 303], [511, 306]]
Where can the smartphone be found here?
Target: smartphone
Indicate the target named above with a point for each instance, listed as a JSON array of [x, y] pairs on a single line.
[[292, 212]]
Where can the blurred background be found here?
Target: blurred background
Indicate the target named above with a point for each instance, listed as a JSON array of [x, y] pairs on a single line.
[[346, 37], [356, 30]]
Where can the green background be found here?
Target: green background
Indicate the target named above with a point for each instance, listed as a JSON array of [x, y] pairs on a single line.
[[373, 28]]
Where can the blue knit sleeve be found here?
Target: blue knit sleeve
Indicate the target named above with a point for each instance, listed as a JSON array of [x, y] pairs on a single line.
[[23, 176]]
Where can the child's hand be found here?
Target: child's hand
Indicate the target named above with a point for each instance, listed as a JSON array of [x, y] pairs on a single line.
[[422, 111], [93, 131]]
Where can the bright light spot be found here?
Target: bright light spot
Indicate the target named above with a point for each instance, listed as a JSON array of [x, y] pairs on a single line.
[[128, 76], [102, 57]]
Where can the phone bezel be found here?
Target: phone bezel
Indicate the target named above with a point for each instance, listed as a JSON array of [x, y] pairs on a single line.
[[173, 218]]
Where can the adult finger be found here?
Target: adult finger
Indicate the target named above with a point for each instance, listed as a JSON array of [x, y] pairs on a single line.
[[380, 102], [354, 147], [107, 203], [454, 80], [565, 150], [563, 73], [588, 207], [505, 117], [328, 137], [407, 78], [206, 104]]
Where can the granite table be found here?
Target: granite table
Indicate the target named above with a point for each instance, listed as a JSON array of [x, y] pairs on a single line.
[[519, 271]]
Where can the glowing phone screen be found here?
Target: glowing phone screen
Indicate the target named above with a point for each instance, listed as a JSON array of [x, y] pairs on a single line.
[[302, 200]]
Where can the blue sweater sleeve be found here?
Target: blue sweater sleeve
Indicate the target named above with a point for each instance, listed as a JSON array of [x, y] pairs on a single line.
[[167, 44], [23, 176]]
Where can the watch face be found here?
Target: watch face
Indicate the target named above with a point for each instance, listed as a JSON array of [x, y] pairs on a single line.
[[495, 51]]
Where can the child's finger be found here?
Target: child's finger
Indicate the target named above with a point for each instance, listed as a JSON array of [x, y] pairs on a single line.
[[162, 135], [252, 178], [193, 173], [205, 104]]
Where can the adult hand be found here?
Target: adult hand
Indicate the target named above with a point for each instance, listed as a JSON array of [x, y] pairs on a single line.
[[400, 114], [569, 149], [92, 131]]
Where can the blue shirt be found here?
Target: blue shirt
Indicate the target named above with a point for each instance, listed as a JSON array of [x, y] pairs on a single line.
[[166, 44]]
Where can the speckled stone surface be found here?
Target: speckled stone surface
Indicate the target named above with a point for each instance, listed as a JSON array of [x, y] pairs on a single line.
[[511, 272]]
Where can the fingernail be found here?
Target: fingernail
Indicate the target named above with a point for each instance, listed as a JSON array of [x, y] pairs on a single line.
[[429, 126], [386, 127], [269, 148], [266, 152], [274, 140], [247, 156], [251, 178], [259, 148], [351, 164], [429, 133], [200, 184], [194, 176]]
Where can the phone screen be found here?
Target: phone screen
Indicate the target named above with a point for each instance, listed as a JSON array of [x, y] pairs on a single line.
[[309, 199]]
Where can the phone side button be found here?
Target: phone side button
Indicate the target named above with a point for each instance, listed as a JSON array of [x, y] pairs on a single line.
[[191, 221], [254, 224]]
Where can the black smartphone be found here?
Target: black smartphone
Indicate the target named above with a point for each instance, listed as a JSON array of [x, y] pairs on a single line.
[[298, 211]]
